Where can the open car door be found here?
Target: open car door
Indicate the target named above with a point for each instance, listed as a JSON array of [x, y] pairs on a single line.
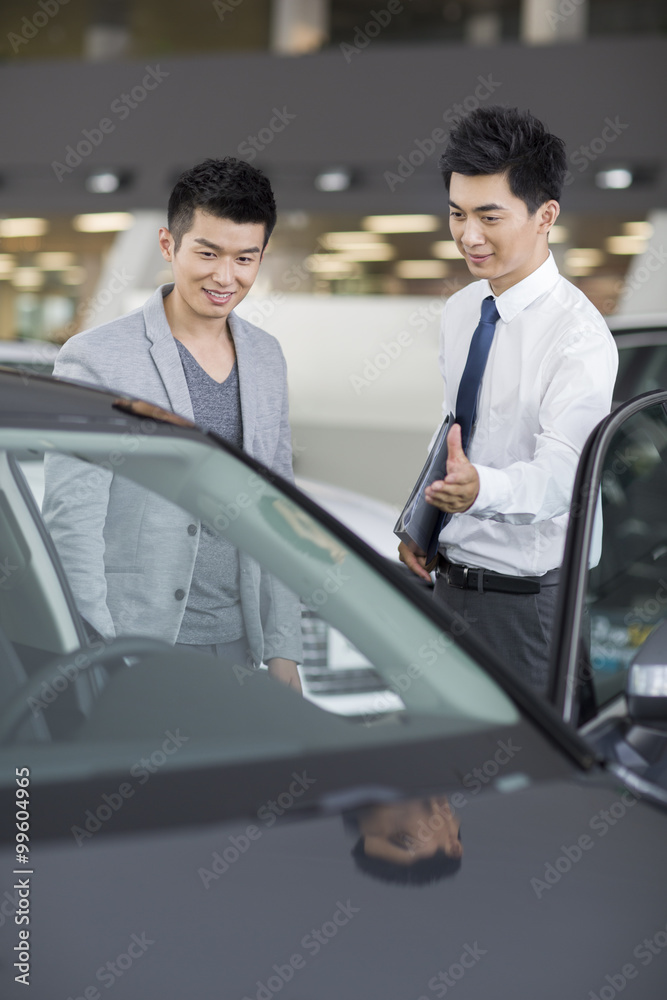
[[609, 661]]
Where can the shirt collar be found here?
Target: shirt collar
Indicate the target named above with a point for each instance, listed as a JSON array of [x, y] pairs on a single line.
[[521, 295]]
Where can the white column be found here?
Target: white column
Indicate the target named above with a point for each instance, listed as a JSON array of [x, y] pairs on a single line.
[[645, 285], [544, 22]]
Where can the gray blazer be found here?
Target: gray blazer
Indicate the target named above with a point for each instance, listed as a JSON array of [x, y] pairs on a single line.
[[128, 553]]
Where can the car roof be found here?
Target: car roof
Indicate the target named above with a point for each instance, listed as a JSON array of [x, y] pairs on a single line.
[[646, 321]]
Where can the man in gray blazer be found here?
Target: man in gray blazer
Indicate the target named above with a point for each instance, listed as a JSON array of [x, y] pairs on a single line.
[[187, 352]]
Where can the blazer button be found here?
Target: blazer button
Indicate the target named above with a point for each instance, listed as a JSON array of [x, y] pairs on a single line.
[[179, 594], [192, 529]]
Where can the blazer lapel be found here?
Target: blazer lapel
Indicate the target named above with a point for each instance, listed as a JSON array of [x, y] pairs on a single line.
[[165, 354], [247, 383]]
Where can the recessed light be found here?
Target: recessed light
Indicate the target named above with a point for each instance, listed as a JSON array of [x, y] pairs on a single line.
[[334, 179], [643, 229], [349, 240], [614, 179], [105, 181], [401, 223], [11, 228], [626, 244], [103, 222], [27, 277], [447, 249], [559, 234], [325, 263], [583, 257], [415, 269], [54, 260], [378, 251]]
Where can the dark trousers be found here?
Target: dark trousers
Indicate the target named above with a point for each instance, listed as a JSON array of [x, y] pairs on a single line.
[[517, 627], [236, 652]]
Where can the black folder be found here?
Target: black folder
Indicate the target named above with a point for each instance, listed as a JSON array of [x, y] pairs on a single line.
[[421, 522]]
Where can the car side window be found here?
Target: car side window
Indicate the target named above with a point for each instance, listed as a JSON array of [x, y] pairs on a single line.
[[627, 589]]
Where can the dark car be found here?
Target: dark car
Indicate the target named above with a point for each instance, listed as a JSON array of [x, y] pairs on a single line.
[[180, 826], [642, 354]]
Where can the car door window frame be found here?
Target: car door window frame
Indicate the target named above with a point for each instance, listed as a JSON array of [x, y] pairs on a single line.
[[567, 684]]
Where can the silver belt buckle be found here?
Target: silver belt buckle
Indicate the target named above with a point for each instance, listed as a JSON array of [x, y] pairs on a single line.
[[465, 577]]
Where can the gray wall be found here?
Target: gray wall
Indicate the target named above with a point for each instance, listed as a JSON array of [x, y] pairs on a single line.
[[365, 113]]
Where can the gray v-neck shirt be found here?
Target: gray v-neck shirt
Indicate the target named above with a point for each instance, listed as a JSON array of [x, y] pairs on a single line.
[[213, 612]]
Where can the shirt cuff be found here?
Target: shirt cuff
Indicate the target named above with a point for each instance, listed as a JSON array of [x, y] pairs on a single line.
[[494, 492]]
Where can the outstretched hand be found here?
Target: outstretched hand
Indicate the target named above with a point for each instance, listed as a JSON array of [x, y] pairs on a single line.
[[458, 490]]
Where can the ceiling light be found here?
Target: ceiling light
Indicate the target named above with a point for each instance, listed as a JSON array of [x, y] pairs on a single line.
[[54, 260], [401, 223], [579, 271], [379, 251], [105, 181], [23, 227], [349, 241], [447, 249], [643, 229], [334, 179], [103, 222], [626, 244], [27, 277], [324, 263], [421, 269], [614, 179], [559, 234], [583, 257]]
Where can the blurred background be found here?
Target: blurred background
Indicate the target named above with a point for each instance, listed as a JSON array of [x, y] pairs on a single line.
[[345, 105]]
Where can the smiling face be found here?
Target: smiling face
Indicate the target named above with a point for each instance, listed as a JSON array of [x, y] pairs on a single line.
[[494, 231], [214, 267]]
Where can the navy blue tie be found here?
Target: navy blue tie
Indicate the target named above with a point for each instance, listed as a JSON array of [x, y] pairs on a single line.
[[480, 345]]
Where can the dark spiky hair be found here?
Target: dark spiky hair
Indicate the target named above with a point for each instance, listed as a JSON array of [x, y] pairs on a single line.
[[227, 188], [499, 140]]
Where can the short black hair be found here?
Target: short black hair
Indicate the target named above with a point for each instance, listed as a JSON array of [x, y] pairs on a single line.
[[228, 188], [423, 872], [499, 140]]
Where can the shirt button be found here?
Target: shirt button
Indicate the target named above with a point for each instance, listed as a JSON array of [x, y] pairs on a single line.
[[179, 594], [192, 529]]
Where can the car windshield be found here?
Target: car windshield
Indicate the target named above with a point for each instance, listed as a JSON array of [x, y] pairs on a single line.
[[108, 644]]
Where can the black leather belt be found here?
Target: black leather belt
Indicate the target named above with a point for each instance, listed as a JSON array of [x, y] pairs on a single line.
[[472, 578]]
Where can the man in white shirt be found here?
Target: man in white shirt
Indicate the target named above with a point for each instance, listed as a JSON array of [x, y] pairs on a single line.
[[548, 381]]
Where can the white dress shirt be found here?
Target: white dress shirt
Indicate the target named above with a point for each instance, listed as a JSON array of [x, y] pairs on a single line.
[[548, 381]]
